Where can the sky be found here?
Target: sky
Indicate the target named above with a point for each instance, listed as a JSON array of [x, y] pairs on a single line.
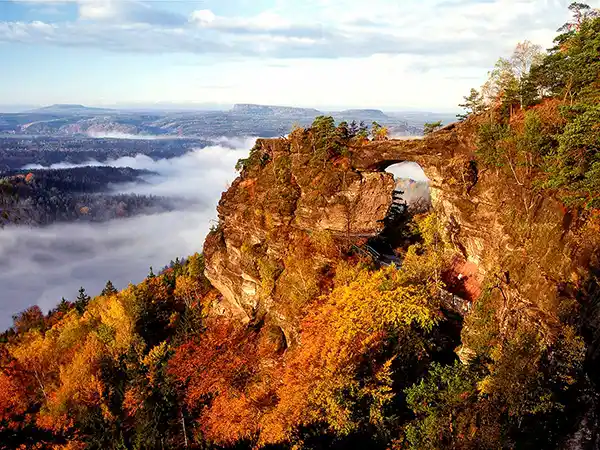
[[387, 54]]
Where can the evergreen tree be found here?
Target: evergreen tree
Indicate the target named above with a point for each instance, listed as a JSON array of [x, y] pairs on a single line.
[[63, 306], [109, 289], [473, 104], [82, 300], [430, 127]]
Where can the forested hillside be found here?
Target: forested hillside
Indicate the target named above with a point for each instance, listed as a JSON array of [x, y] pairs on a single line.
[[42, 197], [476, 327]]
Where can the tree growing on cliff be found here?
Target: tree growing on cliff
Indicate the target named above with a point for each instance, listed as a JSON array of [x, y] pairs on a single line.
[[581, 13], [507, 84], [378, 132], [431, 127], [473, 104]]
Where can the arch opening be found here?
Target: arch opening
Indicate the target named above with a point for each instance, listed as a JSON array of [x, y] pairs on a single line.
[[411, 196], [411, 187]]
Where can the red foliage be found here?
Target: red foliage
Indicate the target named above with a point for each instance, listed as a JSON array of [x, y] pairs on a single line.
[[221, 373], [32, 317]]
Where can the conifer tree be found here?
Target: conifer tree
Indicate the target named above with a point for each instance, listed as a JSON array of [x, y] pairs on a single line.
[[63, 306], [109, 289], [82, 300]]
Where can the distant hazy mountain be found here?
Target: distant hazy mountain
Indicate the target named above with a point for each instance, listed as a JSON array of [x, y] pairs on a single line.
[[244, 108], [241, 120], [370, 114], [72, 109]]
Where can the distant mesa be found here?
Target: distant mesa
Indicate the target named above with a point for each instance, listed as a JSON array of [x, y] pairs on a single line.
[[288, 111], [247, 108], [63, 108], [372, 114]]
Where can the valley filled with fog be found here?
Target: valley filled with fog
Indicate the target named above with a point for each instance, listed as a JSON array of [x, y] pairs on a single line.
[[89, 195], [40, 265]]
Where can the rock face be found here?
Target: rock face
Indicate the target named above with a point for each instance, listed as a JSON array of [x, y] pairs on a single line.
[[277, 218], [357, 208], [278, 223]]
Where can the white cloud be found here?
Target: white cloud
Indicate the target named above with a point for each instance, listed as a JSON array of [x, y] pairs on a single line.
[[344, 29], [203, 17], [384, 52]]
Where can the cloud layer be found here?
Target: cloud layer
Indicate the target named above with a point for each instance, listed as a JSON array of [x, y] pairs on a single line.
[[467, 30], [41, 265]]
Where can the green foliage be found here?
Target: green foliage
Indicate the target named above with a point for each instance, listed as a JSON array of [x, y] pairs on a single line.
[[109, 289], [536, 139], [561, 154], [324, 128], [515, 394], [489, 135], [256, 158], [576, 161], [473, 104], [430, 127], [441, 403], [82, 301]]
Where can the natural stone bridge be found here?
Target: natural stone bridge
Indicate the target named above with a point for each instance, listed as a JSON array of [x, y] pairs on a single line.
[[275, 215], [284, 198]]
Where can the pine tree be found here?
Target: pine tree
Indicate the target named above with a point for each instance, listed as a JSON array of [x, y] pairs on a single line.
[[63, 306], [473, 104], [82, 300], [109, 289]]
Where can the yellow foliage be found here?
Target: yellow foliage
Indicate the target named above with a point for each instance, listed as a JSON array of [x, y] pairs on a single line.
[[187, 289], [38, 356], [79, 380], [114, 315], [155, 357], [356, 317], [323, 243], [70, 331]]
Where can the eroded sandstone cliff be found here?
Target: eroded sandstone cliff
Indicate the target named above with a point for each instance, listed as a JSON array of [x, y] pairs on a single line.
[[288, 205]]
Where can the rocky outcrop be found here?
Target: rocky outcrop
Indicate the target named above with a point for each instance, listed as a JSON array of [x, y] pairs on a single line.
[[357, 208], [289, 201], [278, 223]]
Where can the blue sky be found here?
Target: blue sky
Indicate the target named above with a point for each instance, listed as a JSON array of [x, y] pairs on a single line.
[[389, 54]]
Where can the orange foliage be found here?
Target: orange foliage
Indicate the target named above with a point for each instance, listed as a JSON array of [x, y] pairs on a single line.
[[13, 401], [222, 371], [345, 331], [548, 111], [188, 289], [80, 387], [32, 317], [71, 445], [244, 389]]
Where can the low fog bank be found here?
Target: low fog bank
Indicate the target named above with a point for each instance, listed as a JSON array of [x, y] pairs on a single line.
[[41, 265]]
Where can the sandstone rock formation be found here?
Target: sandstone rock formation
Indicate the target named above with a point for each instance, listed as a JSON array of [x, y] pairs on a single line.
[[277, 218]]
